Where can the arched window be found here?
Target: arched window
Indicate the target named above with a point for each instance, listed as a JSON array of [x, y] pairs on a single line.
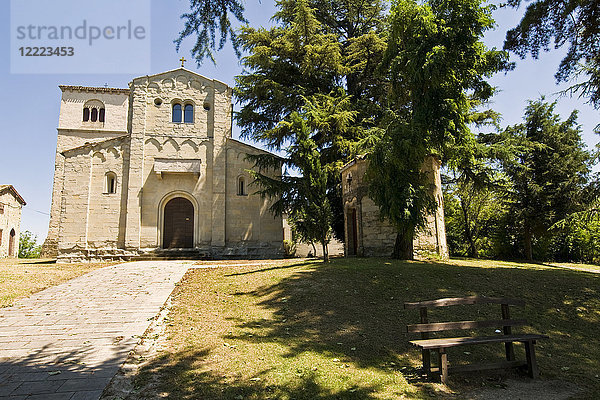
[[242, 186], [111, 183], [177, 113], [188, 116], [93, 111]]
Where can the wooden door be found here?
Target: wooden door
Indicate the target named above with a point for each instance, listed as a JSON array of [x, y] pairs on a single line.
[[178, 232], [352, 232], [11, 243]]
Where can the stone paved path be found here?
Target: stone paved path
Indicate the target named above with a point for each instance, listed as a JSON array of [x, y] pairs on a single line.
[[68, 341]]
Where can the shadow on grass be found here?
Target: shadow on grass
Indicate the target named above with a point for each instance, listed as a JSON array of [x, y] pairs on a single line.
[[183, 383], [352, 311], [275, 268]]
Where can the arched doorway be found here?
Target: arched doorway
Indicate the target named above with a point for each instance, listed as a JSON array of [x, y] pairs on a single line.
[[11, 243], [352, 232], [178, 228]]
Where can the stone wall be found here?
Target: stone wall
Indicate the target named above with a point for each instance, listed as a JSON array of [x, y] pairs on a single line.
[[376, 237], [10, 219], [154, 161], [73, 132]]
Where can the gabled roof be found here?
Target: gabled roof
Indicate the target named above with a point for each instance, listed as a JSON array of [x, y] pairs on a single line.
[[353, 161], [11, 189], [182, 69], [243, 144]]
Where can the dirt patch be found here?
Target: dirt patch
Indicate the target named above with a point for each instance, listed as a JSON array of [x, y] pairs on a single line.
[[526, 390]]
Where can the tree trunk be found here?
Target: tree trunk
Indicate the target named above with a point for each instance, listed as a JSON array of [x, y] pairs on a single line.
[[468, 231], [403, 248], [325, 251], [528, 245]]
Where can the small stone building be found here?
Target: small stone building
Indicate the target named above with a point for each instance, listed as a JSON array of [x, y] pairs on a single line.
[[368, 236], [11, 204], [154, 168]]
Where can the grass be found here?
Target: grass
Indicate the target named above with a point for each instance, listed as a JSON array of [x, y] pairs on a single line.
[[337, 331], [23, 277]]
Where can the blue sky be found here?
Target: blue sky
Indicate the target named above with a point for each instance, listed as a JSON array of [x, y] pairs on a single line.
[[29, 106]]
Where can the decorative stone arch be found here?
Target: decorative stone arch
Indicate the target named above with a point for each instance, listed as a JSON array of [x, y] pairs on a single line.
[[161, 215], [191, 144]]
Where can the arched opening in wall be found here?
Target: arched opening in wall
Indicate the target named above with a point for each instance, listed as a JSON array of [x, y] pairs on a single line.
[[188, 114], [11, 243], [111, 183], [93, 111], [241, 189], [176, 113], [352, 232], [178, 224]]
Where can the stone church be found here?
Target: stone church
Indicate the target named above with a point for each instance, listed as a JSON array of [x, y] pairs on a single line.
[[154, 168], [11, 205]]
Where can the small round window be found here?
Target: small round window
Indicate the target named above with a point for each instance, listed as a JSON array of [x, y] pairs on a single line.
[[206, 106], [157, 102]]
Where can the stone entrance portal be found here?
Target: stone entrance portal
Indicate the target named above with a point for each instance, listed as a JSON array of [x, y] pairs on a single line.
[[11, 243], [352, 232], [178, 230]]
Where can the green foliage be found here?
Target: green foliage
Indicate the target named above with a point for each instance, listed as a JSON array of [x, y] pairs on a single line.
[[437, 66], [321, 52], [580, 241], [289, 248], [473, 215], [203, 21], [562, 22], [304, 198], [28, 247], [548, 167]]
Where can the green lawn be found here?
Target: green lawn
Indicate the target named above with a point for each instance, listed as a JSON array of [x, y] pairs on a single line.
[[337, 331], [23, 277]]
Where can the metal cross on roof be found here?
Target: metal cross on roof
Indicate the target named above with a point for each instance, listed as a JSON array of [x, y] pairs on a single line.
[[183, 60]]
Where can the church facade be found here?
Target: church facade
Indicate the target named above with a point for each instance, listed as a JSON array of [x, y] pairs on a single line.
[[154, 168]]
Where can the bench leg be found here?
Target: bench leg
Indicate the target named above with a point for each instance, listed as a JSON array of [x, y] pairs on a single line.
[[426, 361], [532, 368], [443, 363], [510, 351]]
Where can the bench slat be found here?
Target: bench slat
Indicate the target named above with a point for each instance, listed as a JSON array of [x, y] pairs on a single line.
[[446, 326], [460, 341], [483, 366], [456, 301]]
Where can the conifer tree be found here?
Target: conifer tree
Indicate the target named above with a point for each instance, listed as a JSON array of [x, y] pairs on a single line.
[[320, 49], [438, 67], [548, 167]]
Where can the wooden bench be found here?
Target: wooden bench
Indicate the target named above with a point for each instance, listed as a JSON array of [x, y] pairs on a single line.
[[427, 344]]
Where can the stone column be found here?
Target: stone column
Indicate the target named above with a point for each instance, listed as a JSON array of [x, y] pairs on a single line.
[[222, 130], [135, 172]]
